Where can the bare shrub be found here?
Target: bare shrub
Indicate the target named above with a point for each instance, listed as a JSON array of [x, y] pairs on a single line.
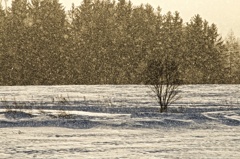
[[163, 80]]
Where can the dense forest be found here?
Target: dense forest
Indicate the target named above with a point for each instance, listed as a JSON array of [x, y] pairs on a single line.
[[109, 42]]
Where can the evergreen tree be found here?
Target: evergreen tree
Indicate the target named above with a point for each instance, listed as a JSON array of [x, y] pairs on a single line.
[[233, 58], [144, 36], [171, 45], [15, 29], [2, 42], [82, 26], [49, 39], [108, 42], [34, 43], [203, 52]]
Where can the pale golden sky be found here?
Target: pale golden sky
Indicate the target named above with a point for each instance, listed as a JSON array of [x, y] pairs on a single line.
[[224, 13]]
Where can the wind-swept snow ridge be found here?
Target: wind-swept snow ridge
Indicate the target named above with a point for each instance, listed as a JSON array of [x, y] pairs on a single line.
[[118, 106]]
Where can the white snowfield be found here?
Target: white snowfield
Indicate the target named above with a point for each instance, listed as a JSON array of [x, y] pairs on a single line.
[[118, 121]]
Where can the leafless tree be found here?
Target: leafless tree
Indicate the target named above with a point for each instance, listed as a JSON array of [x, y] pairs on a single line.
[[163, 79]]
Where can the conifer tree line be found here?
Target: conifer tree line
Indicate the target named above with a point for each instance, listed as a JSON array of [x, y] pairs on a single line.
[[108, 42]]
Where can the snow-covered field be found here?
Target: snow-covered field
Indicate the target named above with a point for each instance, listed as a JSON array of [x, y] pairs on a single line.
[[122, 121]]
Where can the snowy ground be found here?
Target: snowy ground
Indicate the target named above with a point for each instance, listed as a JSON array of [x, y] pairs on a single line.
[[118, 122]]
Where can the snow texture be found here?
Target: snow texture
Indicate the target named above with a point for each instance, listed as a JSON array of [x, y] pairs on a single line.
[[118, 121]]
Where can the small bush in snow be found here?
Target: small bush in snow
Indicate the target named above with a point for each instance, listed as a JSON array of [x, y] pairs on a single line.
[[163, 79]]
